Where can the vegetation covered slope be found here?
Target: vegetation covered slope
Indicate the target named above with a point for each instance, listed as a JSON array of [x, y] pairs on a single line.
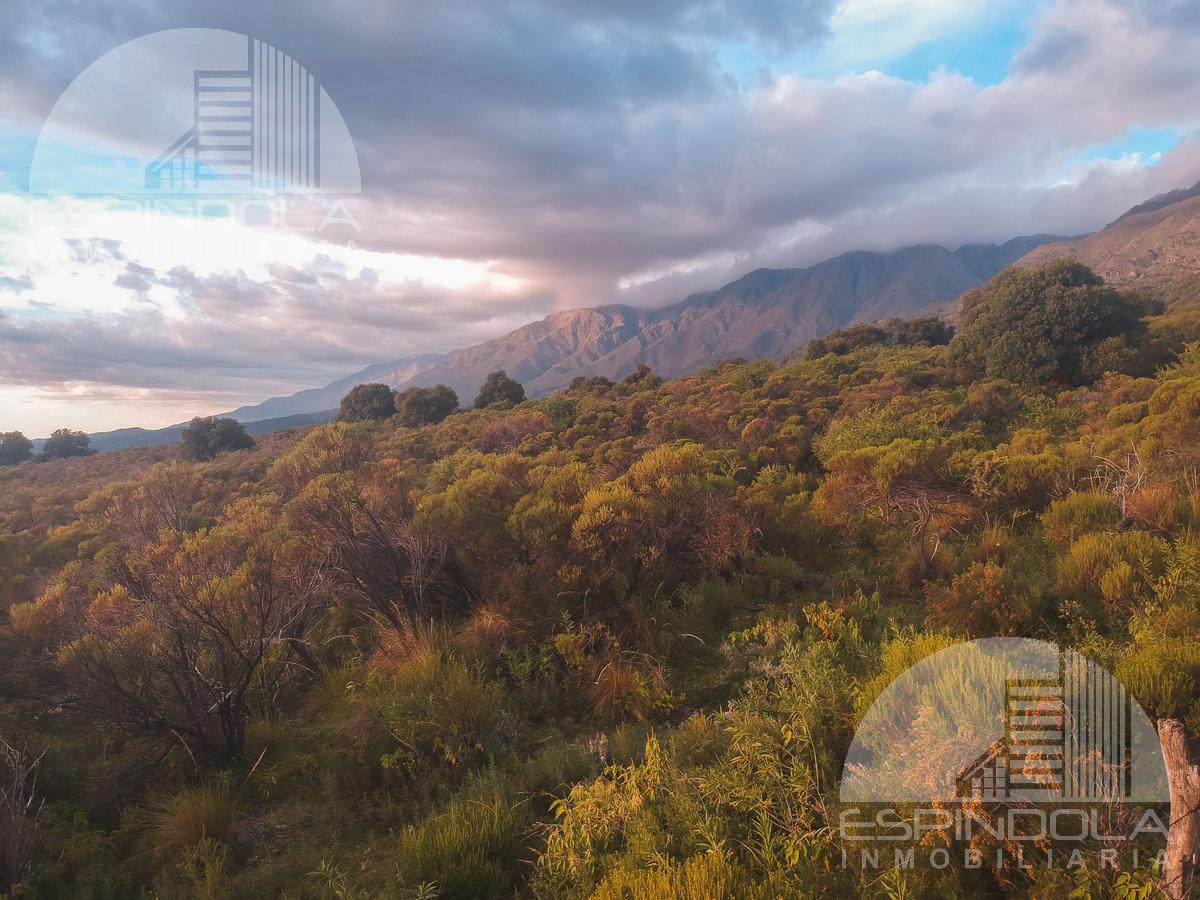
[[612, 643], [1154, 247]]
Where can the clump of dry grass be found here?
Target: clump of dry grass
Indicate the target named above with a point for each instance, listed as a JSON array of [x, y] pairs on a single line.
[[192, 816]]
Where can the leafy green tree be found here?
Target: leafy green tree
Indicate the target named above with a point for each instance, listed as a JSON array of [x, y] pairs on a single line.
[[14, 448], [499, 388], [64, 443], [425, 405], [928, 331], [366, 402], [207, 438], [641, 378], [1057, 322]]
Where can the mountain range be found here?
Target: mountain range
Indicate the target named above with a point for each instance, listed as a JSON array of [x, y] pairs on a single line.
[[765, 313]]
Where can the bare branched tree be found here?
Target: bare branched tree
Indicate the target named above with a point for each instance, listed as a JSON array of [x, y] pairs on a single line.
[[19, 808], [202, 635]]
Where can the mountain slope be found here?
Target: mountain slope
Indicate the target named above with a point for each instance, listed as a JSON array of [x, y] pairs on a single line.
[[127, 438], [570, 343], [328, 397], [768, 312], [765, 313], [1154, 247]]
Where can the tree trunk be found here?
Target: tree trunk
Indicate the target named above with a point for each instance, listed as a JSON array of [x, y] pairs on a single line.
[[1183, 780]]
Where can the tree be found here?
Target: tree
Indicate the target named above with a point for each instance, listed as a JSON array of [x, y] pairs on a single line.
[[1057, 322], [642, 378], [367, 402], [14, 448], [928, 331], [359, 530], [207, 438], [425, 405], [499, 388], [201, 631], [64, 443]]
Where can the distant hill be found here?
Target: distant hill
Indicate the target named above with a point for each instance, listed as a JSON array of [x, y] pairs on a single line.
[[126, 438], [1159, 201], [768, 312], [330, 396], [1154, 247]]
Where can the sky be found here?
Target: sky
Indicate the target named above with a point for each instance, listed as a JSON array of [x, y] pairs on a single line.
[[517, 158]]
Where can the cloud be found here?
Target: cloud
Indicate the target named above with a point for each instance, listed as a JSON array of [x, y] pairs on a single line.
[[232, 332], [16, 284], [94, 250], [591, 152], [135, 278]]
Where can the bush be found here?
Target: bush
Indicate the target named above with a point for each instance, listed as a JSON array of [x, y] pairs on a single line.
[[181, 823], [473, 851], [207, 438], [708, 876], [428, 709], [1080, 513], [367, 402], [425, 406], [1115, 568]]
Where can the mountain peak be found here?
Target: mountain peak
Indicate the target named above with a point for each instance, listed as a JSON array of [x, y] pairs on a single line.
[[1159, 201]]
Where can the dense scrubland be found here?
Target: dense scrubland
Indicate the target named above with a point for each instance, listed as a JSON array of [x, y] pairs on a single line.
[[612, 643]]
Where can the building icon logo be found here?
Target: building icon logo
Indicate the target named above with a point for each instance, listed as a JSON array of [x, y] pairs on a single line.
[[195, 110], [1005, 721], [1065, 738], [257, 128]]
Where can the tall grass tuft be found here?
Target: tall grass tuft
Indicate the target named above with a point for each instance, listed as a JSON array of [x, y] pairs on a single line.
[[473, 850], [191, 817]]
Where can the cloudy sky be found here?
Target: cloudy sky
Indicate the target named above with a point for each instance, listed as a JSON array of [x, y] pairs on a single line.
[[522, 157]]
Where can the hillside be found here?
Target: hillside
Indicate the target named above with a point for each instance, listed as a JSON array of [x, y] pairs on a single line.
[[522, 651], [128, 438], [1154, 247]]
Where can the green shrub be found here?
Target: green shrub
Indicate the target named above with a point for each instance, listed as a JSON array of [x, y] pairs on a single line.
[[473, 851], [1115, 568], [709, 876], [1080, 513]]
